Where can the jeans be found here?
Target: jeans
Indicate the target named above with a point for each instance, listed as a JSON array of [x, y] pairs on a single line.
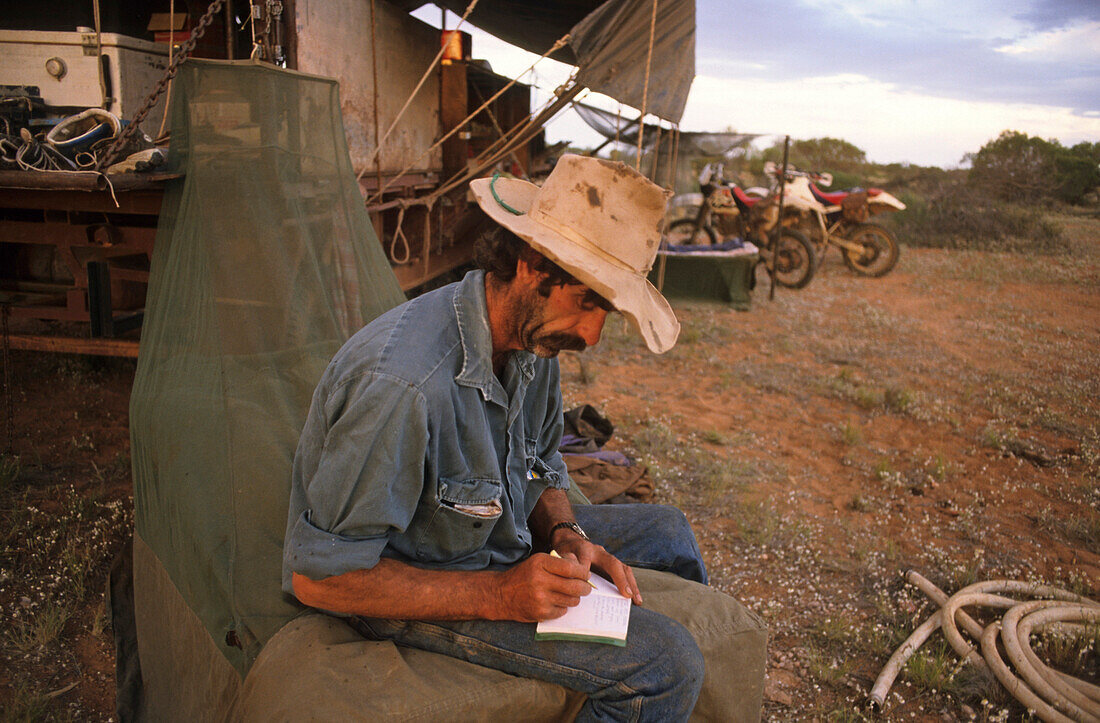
[[656, 677]]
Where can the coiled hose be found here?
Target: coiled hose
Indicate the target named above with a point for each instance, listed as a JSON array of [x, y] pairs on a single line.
[[1052, 695]]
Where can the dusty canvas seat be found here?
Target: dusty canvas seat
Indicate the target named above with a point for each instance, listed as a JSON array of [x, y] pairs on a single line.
[[265, 262], [316, 667]]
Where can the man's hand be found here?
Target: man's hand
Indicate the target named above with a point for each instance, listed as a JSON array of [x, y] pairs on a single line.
[[589, 555], [541, 588], [554, 508]]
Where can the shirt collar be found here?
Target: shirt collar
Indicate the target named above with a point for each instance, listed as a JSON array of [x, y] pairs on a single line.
[[472, 314]]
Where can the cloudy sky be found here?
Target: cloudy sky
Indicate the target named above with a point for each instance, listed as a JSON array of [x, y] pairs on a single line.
[[922, 81]]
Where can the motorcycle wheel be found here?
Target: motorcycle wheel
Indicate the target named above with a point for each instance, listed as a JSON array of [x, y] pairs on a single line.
[[880, 250], [794, 259], [685, 232], [812, 231]]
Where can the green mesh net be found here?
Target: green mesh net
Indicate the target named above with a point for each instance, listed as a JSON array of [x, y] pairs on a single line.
[[265, 262]]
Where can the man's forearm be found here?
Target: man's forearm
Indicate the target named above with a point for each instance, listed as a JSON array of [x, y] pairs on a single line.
[[393, 589], [538, 588], [553, 507]]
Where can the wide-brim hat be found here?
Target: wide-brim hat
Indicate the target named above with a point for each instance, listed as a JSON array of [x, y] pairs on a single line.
[[600, 221]]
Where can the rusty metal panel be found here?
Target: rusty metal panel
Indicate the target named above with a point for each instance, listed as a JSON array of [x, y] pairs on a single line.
[[334, 40]]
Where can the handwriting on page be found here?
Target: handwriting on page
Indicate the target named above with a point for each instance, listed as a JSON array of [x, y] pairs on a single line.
[[602, 616], [609, 613]]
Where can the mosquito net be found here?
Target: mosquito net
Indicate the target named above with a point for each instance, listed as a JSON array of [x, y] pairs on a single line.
[[265, 262]]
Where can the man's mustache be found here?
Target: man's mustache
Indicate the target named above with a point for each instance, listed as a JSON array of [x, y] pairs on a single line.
[[561, 341]]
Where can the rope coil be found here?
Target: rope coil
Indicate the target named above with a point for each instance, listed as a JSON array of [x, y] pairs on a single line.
[[399, 235]]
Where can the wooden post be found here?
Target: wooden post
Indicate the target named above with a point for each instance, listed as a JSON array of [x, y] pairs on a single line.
[[453, 102]]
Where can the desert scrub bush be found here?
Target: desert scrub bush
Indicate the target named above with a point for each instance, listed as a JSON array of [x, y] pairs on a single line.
[[959, 217], [655, 438], [828, 669], [1081, 528], [884, 472], [717, 477], [52, 553], [1072, 652], [860, 503], [898, 399], [851, 434], [713, 436], [758, 524]]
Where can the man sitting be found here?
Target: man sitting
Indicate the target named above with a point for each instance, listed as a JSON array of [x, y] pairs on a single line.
[[428, 489]]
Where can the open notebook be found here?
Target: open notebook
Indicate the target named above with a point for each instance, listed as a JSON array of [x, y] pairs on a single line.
[[601, 617]]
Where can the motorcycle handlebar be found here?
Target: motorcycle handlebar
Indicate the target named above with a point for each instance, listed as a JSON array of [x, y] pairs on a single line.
[[772, 170]]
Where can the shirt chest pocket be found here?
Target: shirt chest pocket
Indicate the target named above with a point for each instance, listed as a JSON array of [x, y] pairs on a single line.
[[463, 517]]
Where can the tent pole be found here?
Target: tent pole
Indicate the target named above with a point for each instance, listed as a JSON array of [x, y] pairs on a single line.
[[645, 88], [656, 154], [625, 128], [675, 159], [779, 222], [374, 74]]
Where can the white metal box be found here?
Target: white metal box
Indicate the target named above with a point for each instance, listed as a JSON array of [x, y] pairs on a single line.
[[134, 67]]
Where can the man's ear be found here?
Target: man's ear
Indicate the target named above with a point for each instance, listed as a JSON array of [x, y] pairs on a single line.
[[526, 274]]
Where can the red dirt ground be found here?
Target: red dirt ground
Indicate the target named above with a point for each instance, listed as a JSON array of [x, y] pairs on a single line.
[[942, 418]]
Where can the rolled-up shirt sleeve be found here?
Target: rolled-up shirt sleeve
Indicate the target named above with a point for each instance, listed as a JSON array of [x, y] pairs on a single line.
[[361, 462]]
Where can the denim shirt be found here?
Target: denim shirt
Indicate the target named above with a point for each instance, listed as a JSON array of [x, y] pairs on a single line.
[[414, 450]]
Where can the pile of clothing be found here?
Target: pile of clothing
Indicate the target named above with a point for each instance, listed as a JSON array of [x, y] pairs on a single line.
[[603, 475]]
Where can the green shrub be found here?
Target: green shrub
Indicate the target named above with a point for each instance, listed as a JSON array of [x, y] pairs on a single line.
[[958, 216], [1016, 166]]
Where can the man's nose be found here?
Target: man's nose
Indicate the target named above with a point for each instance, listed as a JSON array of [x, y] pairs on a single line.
[[591, 326]]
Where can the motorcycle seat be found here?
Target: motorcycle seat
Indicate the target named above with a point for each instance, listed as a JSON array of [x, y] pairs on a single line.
[[743, 198], [833, 199]]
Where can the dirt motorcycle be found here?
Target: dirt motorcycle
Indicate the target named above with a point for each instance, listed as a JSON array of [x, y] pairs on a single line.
[[840, 219], [727, 211]]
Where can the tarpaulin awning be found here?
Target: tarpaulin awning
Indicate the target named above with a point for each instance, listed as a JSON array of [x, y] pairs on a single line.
[[613, 126], [609, 43]]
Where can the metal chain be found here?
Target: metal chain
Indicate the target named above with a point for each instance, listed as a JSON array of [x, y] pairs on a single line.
[[7, 380], [185, 50]]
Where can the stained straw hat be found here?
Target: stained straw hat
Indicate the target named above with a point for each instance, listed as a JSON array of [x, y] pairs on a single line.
[[600, 221]]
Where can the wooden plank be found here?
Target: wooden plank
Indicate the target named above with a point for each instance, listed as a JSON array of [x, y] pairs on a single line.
[[56, 313], [84, 181], [23, 296], [74, 345], [368, 184], [137, 238], [145, 202]]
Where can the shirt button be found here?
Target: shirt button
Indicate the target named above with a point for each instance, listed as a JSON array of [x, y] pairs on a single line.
[[477, 525]]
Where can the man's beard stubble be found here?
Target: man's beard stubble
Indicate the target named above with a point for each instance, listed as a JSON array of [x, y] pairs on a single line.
[[540, 343]]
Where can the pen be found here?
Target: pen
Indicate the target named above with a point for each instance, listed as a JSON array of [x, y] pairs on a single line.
[[554, 553]]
